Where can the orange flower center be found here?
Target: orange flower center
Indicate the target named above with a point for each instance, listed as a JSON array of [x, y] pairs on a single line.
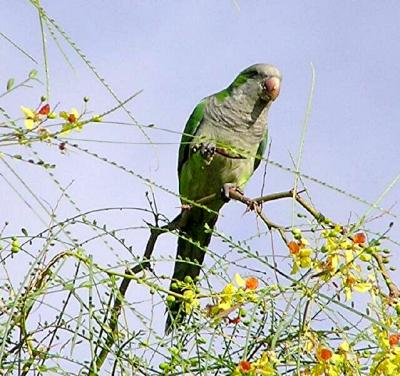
[[235, 321], [359, 238], [394, 339], [44, 110], [245, 366], [251, 283], [294, 247], [324, 354], [71, 118]]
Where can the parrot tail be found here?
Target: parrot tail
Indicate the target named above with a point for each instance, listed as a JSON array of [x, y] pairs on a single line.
[[195, 235]]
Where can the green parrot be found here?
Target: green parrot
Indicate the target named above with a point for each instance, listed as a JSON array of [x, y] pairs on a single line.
[[220, 149]]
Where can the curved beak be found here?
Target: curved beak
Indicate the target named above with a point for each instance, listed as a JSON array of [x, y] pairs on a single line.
[[272, 87]]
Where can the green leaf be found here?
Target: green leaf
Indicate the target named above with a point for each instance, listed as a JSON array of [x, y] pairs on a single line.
[[10, 84]]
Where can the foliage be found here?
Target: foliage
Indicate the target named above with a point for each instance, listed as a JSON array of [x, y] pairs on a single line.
[[318, 300]]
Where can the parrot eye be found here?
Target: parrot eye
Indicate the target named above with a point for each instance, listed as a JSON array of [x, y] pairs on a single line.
[[251, 74]]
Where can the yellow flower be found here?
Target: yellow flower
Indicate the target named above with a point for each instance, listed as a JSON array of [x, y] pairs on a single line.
[[331, 244], [351, 283], [305, 257], [239, 280], [71, 116], [362, 286], [265, 365], [345, 244], [72, 122], [386, 363], [301, 256], [226, 297], [348, 255], [344, 347], [311, 339], [31, 117], [190, 301], [329, 364]]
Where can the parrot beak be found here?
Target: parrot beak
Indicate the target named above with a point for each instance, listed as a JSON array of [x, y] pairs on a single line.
[[272, 87]]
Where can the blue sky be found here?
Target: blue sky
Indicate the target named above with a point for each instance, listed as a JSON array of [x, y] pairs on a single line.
[[180, 51]]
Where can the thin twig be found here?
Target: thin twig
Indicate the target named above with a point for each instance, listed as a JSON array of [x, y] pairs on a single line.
[[178, 223]]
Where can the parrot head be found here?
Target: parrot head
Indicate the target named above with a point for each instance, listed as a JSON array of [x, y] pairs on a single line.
[[261, 80]]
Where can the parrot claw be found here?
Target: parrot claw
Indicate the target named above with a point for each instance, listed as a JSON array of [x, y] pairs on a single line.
[[253, 206], [207, 151], [225, 191], [186, 206]]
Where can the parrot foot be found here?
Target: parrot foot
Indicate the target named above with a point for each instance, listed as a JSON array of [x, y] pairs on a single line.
[[186, 206], [226, 191], [206, 149], [231, 190], [253, 206]]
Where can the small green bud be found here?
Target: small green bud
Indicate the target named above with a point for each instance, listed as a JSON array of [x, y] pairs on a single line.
[[97, 119], [193, 361], [164, 366], [86, 99], [188, 279], [324, 249], [365, 257], [242, 312], [15, 245], [33, 73], [10, 84], [296, 231], [174, 351], [170, 299]]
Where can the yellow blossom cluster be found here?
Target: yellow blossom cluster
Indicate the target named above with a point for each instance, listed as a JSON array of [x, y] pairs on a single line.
[[341, 258], [387, 361], [263, 366], [233, 296], [34, 120], [329, 363], [301, 253], [189, 294]]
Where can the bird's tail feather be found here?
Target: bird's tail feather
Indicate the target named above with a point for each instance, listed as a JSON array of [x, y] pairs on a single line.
[[195, 235]]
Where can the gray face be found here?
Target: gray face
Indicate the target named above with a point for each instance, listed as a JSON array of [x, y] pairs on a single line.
[[265, 70], [266, 79]]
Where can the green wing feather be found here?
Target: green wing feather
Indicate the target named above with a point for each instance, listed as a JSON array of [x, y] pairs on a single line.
[[197, 116], [261, 149], [190, 130]]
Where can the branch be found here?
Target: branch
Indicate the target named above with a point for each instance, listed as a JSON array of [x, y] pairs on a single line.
[[178, 223], [155, 232]]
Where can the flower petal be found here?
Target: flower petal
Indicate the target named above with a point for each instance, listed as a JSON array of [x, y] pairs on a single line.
[[239, 280]]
